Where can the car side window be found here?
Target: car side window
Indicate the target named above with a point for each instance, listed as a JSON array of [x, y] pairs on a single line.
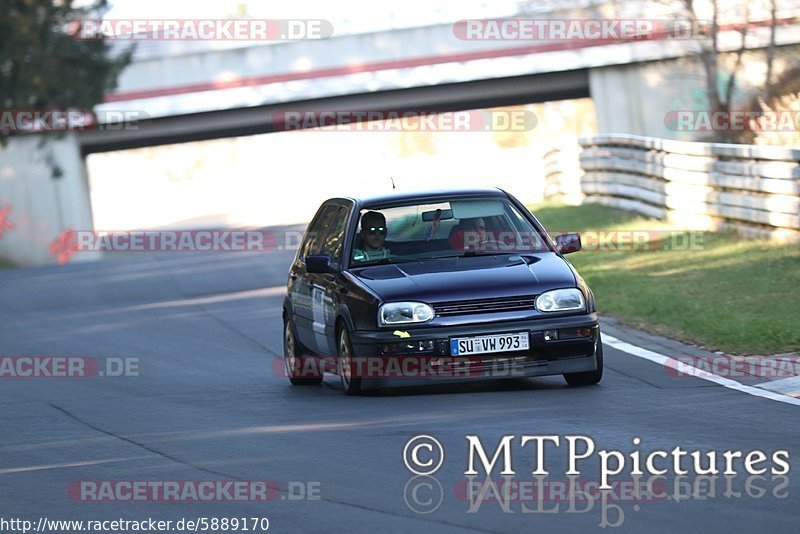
[[334, 241], [312, 231], [318, 230]]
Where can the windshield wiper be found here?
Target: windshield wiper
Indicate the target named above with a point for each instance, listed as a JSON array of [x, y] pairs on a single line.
[[464, 255], [383, 261], [473, 253]]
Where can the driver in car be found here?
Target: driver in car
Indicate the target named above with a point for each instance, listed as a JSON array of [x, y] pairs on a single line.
[[373, 237]]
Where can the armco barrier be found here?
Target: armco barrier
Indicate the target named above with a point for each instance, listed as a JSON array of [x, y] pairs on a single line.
[[561, 168], [754, 190]]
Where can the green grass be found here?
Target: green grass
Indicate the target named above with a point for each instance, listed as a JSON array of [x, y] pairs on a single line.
[[4, 264], [728, 293]]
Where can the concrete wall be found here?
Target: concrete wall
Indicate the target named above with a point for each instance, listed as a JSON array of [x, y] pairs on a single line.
[[635, 98], [42, 207], [754, 190]]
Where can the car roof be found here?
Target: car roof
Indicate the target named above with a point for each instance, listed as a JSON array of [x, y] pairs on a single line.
[[428, 194]]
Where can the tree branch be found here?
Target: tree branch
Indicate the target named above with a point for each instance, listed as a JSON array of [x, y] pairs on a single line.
[[738, 63]]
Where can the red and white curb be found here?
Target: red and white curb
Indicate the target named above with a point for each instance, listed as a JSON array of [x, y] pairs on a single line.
[[773, 390]]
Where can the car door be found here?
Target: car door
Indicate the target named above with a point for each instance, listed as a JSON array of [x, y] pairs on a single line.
[[325, 287], [306, 302]]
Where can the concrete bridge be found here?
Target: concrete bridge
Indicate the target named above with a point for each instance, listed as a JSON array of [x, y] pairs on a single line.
[[200, 90]]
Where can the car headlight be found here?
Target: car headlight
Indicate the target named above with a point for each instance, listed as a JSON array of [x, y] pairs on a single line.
[[394, 313], [560, 300]]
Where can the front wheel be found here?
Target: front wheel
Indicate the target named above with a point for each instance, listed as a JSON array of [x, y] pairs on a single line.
[[294, 360], [588, 378], [350, 383]]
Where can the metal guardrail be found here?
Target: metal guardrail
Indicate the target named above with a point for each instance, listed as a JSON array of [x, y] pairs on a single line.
[[754, 190], [561, 170]]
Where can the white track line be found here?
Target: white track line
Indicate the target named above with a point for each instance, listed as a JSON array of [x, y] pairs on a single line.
[[689, 370], [787, 386]]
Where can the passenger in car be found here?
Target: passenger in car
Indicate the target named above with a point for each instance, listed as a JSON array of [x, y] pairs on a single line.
[[372, 238], [477, 227], [469, 234]]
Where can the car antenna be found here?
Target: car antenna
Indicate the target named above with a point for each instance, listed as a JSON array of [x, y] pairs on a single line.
[[392, 179]]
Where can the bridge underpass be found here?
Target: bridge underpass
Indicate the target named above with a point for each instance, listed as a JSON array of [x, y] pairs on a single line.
[[479, 94], [630, 85], [235, 168]]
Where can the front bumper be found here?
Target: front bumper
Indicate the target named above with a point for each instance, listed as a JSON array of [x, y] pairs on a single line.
[[434, 363]]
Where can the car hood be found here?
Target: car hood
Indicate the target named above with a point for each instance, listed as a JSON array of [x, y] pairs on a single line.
[[467, 278]]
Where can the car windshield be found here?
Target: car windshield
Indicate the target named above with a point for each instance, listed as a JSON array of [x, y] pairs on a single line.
[[456, 228]]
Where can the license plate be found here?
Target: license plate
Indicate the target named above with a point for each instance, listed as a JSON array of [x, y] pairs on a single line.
[[461, 346]]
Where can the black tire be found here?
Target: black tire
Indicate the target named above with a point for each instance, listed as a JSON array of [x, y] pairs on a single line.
[[588, 378], [351, 384], [293, 357]]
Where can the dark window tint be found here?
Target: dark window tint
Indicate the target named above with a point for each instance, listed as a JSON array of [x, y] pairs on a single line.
[[334, 241], [318, 230]]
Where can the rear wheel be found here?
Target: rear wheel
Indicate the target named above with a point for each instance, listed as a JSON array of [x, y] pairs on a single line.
[[298, 373], [588, 378], [350, 383]]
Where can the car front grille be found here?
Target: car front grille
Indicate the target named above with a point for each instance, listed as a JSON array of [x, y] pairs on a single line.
[[469, 307]]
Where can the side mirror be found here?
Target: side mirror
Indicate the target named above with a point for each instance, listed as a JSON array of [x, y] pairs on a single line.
[[319, 263], [566, 243]]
